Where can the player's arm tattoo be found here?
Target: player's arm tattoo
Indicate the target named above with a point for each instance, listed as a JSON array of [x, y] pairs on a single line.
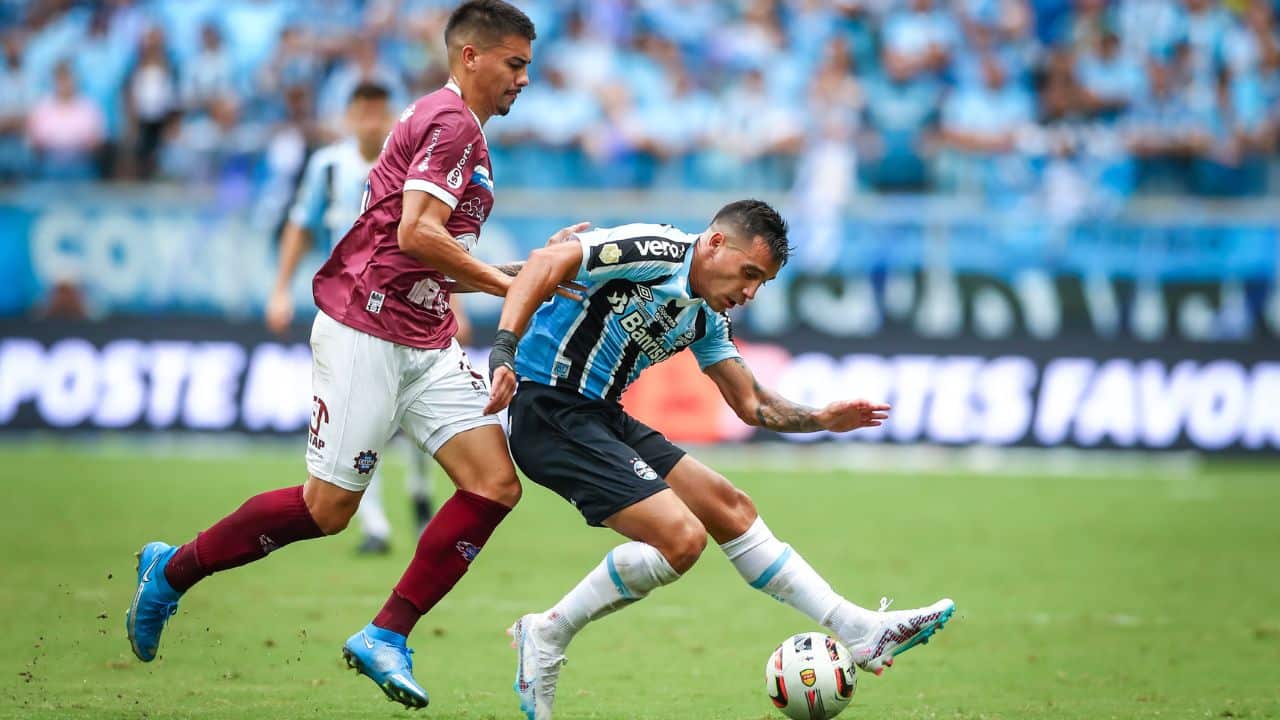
[[510, 269], [779, 414]]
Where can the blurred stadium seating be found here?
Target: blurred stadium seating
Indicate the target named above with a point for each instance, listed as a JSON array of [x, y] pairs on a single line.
[[1012, 217]]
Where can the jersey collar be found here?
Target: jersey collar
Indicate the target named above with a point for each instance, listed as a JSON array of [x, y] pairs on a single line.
[[453, 85]]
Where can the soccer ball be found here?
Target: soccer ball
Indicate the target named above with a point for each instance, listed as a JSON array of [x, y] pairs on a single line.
[[810, 677]]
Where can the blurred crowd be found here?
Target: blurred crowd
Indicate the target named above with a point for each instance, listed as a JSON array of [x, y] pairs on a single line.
[[1081, 103]]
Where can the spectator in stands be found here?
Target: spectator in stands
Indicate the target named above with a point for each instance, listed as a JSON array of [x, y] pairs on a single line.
[[755, 135], [901, 109], [102, 61], [152, 101], [1164, 130], [360, 64], [15, 100], [1109, 79], [919, 40], [209, 74], [66, 130], [981, 123], [293, 63]]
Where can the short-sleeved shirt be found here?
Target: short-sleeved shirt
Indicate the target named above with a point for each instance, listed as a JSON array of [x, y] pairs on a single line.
[[368, 283], [638, 311], [332, 190]]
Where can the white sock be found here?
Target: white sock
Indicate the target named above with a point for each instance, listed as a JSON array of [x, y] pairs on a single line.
[[772, 566], [370, 513], [626, 575]]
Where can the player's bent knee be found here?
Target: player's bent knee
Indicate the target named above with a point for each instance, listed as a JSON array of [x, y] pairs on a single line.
[[501, 487], [331, 507], [683, 545]]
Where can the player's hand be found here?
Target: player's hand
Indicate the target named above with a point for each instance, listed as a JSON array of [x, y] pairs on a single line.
[[279, 311], [567, 233], [501, 388], [845, 415]]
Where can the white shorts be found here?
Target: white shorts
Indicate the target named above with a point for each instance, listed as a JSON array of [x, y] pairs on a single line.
[[364, 387]]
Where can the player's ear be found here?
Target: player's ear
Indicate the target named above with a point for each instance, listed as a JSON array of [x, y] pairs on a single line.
[[469, 56]]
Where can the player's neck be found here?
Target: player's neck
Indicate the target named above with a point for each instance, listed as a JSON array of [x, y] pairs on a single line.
[[468, 97]]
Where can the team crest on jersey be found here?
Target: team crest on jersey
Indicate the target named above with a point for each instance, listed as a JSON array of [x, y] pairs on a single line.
[[365, 462], [643, 470], [610, 254]]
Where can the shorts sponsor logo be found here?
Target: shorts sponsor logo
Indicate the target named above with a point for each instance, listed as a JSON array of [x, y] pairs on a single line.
[[469, 551], [808, 677], [366, 461], [643, 470], [319, 416], [610, 254], [375, 302]]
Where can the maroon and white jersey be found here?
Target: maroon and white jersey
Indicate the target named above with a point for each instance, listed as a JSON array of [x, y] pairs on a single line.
[[368, 283]]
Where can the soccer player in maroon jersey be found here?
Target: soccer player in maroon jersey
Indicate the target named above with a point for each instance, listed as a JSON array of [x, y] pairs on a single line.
[[384, 358]]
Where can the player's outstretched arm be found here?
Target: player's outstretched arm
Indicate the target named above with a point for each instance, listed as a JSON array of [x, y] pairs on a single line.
[[761, 407], [545, 270], [294, 242], [422, 236]]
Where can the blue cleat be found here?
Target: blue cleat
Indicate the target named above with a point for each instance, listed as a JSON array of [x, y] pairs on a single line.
[[154, 602], [381, 656]]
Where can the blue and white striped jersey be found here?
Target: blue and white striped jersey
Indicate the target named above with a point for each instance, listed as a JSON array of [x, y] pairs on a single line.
[[638, 311], [332, 188]]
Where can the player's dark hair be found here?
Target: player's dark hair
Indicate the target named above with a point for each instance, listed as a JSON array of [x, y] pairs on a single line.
[[369, 91], [755, 218], [484, 23]]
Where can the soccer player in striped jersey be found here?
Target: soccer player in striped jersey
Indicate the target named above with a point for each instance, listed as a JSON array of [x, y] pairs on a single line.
[[651, 291]]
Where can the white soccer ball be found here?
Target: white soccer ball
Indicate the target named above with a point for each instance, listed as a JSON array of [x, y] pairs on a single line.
[[810, 677]]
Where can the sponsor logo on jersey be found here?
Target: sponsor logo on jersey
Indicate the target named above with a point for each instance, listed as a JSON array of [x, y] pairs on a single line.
[[468, 241], [473, 207], [426, 158], [374, 305], [658, 248], [643, 470], [454, 179], [637, 328], [365, 462], [610, 254]]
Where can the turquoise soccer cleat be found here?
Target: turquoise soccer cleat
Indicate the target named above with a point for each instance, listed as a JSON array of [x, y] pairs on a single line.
[[382, 656], [154, 602]]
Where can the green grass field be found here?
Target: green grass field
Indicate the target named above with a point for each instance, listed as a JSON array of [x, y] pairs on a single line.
[[1102, 597]]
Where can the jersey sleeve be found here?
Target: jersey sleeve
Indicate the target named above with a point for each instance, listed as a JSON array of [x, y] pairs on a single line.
[[309, 205], [716, 343], [444, 146], [628, 253]]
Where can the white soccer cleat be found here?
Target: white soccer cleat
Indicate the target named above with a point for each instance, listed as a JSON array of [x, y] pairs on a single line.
[[537, 669], [898, 632]]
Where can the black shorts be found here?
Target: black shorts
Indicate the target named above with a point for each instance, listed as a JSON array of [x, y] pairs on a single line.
[[589, 452]]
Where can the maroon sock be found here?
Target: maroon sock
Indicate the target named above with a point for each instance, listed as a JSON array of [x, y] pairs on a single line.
[[262, 524], [451, 541]]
